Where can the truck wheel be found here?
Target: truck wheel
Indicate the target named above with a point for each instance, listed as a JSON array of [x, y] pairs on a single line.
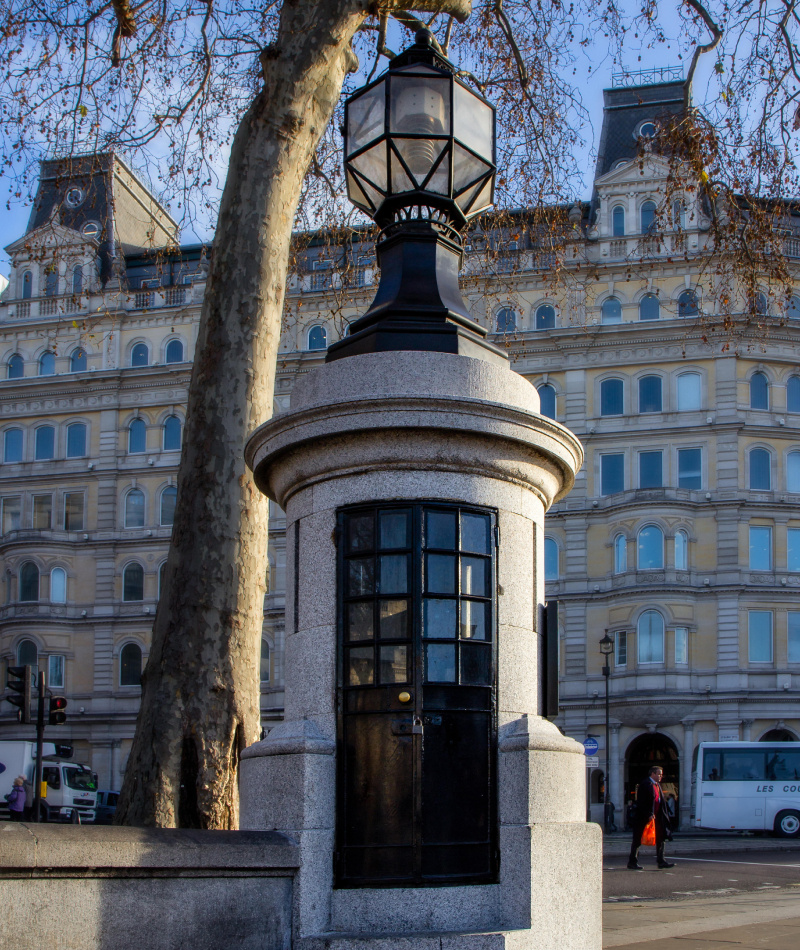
[[787, 824]]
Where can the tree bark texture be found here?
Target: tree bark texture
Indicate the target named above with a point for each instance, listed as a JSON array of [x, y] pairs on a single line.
[[200, 689]]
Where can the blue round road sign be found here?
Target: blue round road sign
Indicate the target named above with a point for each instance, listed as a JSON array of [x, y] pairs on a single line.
[[590, 746]]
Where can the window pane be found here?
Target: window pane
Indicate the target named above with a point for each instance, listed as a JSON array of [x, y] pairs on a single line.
[[16, 367], [621, 648], [550, 559], [612, 474], [265, 662], [649, 308], [648, 214], [681, 646], [12, 445], [793, 394], [793, 549], [650, 394], [317, 338], [547, 401], [476, 665], [440, 663], [688, 392], [130, 665], [475, 533], [545, 317], [137, 436], [474, 620], [174, 352], [393, 573], [760, 548], [360, 535], [76, 440], [134, 509], [651, 548], [440, 529], [139, 355], [439, 619], [794, 636], [618, 221], [45, 442], [760, 479], [611, 391], [394, 664], [393, 529], [650, 470], [440, 574], [688, 304], [620, 554], [27, 654], [689, 468], [793, 472], [133, 582], [42, 512], [168, 498], [361, 576], [681, 551], [58, 586], [29, 582], [47, 364], [73, 511], [55, 671], [12, 513], [759, 391], [475, 576], [77, 363], [651, 637], [393, 619], [172, 434], [360, 624], [760, 636], [506, 320], [743, 766], [611, 311]]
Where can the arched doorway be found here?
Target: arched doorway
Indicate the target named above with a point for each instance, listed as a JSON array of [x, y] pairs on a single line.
[[642, 754], [778, 735]]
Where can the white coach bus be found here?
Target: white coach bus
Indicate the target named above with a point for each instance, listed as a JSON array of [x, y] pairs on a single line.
[[747, 786]]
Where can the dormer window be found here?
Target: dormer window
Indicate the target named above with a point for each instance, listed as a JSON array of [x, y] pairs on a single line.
[[74, 197], [91, 229], [645, 130]]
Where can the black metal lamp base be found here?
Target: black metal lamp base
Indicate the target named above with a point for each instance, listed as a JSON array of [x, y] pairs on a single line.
[[418, 305]]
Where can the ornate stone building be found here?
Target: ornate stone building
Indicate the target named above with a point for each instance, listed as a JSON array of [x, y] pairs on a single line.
[[681, 538]]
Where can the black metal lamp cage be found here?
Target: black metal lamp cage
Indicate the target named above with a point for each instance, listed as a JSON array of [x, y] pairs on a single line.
[[418, 141]]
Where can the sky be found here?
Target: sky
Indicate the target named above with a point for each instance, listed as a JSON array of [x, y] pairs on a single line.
[[596, 77]]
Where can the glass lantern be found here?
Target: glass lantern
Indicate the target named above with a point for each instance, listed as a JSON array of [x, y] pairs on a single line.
[[419, 137]]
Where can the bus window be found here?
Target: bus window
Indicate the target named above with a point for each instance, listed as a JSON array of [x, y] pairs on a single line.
[[742, 766], [711, 765], [782, 765]]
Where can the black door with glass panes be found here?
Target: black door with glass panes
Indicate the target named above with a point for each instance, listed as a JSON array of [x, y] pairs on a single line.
[[416, 798]]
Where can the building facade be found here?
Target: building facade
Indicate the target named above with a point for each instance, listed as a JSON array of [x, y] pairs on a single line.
[[681, 538]]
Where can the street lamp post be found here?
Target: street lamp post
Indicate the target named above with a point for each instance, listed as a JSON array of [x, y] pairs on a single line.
[[606, 649]]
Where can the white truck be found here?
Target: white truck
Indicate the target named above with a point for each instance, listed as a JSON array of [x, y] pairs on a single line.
[[70, 789]]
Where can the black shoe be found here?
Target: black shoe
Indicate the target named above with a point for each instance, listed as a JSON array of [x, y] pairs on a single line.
[[635, 866], [666, 864]]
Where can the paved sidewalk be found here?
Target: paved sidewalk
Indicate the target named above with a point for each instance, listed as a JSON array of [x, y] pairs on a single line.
[[754, 921], [619, 843]]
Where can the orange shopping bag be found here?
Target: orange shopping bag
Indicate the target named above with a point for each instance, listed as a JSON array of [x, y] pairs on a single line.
[[649, 833]]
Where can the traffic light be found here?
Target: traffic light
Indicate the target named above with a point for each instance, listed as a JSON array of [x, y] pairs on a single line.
[[57, 715], [18, 682]]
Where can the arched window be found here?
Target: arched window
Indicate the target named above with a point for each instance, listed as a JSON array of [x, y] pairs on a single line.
[[133, 583], [650, 394], [611, 311], [618, 221], [545, 318], [759, 391], [140, 355], [137, 436], [688, 304], [611, 393], [550, 560], [679, 214], [27, 285], [265, 657], [12, 445], [58, 586], [168, 497], [793, 309], [547, 400], [51, 282], [130, 665], [77, 362], [650, 638], [759, 304], [648, 216], [47, 364], [650, 548], [134, 508], [174, 352], [620, 554], [649, 307], [76, 440], [506, 320], [77, 280], [29, 582], [793, 472], [681, 551], [793, 394], [28, 653], [44, 443], [688, 392], [317, 338], [760, 470], [172, 434], [16, 367]]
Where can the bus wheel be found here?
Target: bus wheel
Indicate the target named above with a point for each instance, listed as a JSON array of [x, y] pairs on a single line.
[[787, 824]]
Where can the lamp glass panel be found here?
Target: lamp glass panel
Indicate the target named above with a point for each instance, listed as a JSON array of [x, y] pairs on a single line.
[[400, 180], [365, 117], [466, 168], [372, 165], [420, 105], [356, 194], [465, 198], [483, 200], [420, 155], [473, 121], [372, 194], [439, 181]]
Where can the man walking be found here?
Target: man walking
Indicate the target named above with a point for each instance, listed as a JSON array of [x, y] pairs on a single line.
[[651, 802]]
